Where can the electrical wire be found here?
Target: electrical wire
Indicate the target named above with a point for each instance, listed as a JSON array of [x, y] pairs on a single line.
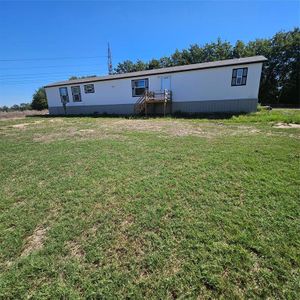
[[13, 76], [56, 66], [50, 58]]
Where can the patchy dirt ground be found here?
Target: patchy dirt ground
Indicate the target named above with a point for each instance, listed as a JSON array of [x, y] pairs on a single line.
[[21, 114], [117, 129], [287, 126], [75, 250], [35, 241], [49, 130]]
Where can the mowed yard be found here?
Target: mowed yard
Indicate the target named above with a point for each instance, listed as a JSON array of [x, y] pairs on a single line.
[[114, 208]]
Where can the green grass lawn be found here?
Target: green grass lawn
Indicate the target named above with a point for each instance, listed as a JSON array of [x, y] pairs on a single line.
[[114, 208]]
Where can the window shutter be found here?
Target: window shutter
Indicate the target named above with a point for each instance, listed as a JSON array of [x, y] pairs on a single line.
[[233, 80], [245, 73]]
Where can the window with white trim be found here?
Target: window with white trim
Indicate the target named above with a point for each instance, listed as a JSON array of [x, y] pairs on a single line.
[[139, 86], [76, 93], [63, 92], [239, 76], [89, 88]]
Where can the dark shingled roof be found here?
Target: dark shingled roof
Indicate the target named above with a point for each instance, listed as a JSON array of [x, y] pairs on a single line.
[[192, 67]]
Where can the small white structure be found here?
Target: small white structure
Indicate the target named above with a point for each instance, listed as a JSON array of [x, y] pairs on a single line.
[[221, 86]]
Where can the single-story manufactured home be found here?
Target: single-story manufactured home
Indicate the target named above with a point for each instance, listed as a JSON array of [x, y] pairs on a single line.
[[221, 86]]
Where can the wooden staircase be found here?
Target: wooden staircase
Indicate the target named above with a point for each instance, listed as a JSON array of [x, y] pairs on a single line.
[[141, 105]]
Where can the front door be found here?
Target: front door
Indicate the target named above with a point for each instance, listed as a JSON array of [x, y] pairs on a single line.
[[165, 83]]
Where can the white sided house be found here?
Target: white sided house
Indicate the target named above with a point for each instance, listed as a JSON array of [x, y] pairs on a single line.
[[227, 86]]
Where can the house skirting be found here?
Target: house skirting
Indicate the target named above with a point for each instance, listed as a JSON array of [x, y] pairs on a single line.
[[211, 106], [216, 106], [116, 109]]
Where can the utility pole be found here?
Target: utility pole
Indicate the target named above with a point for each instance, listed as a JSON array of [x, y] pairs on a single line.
[[109, 61]]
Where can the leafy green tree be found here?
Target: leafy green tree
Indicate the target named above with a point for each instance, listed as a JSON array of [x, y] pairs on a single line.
[[81, 77], [15, 107], [25, 106], [217, 51], [180, 58], [140, 66], [125, 67], [165, 62], [196, 54], [239, 50], [154, 64], [39, 100], [286, 64], [4, 108], [280, 74]]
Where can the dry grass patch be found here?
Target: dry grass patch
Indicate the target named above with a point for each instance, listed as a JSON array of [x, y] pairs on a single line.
[[177, 128], [20, 126], [76, 250], [24, 125], [286, 125], [21, 114], [73, 130], [75, 133], [87, 130], [35, 241]]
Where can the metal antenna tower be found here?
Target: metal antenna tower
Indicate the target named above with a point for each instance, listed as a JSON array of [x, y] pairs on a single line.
[[109, 61]]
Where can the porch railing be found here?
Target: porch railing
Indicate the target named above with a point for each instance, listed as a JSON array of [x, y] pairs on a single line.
[[153, 98]]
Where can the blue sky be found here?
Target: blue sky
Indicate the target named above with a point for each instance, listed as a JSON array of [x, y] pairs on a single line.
[[47, 41]]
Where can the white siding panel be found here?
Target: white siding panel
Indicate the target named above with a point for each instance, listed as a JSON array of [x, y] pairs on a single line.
[[215, 84]]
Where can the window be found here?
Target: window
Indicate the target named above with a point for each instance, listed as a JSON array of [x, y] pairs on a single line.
[[139, 87], [76, 93], [89, 88], [64, 97], [239, 76]]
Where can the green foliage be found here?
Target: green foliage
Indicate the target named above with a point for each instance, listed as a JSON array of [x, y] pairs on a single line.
[[81, 77], [154, 64], [239, 50], [264, 116], [148, 209], [4, 108], [25, 106], [39, 100], [125, 67], [280, 76], [16, 107]]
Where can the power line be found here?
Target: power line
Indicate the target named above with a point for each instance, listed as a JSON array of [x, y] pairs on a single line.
[[45, 77], [21, 83], [44, 67], [37, 79], [50, 58], [38, 74], [57, 58], [32, 80], [48, 78]]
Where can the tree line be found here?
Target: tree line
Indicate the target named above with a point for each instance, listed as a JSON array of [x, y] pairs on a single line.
[[39, 102], [280, 74]]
